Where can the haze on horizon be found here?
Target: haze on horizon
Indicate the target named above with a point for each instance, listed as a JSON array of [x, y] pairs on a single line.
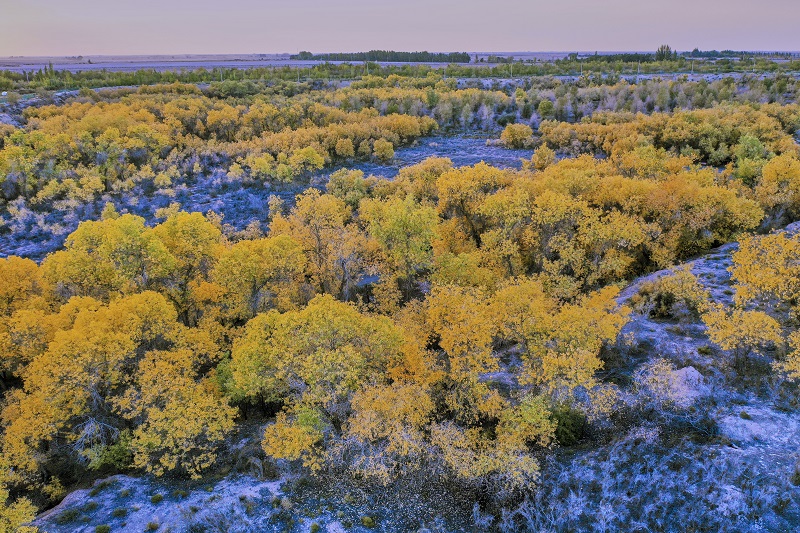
[[125, 27]]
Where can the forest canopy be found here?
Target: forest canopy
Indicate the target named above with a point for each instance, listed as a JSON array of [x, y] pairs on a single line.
[[454, 322]]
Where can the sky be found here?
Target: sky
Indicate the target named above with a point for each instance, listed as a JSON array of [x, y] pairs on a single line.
[[116, 27]]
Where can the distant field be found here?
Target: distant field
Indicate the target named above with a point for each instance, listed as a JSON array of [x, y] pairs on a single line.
[[190, 62], [187, 62], [174, 62]]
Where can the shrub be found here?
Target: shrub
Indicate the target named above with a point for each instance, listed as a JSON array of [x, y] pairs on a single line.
[[156, 498], [705, 350], [119, 512], [542, 158], [345, 148], [571, 425], [152, 526], [516, 135], [368, 521], [676, 296], [383, 150], [102, 529], [506, 118], [97, 489], [67, 516], [546, 110], [117, 456]]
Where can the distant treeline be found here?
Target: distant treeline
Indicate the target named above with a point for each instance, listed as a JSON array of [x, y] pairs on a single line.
[[713, 54], [733, 54], [613, 58], [388, 55], [666, 53]]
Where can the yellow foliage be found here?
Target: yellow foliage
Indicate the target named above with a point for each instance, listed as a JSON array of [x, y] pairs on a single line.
[[741, 331], [767, 269], [95, 373], [779, 188], [465, 324], [320, 354], [293, 441], [672, 295], [474, 458], [516, 135], [526, 424], [19, 282], [389, 412], [562, 341], [14, 516], [335, 249], [106, 257], [258, 275]]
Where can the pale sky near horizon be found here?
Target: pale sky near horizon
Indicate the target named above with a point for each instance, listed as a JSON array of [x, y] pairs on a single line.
[[86, 27]]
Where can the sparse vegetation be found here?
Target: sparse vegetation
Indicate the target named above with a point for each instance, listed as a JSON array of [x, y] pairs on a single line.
[[68, 516]]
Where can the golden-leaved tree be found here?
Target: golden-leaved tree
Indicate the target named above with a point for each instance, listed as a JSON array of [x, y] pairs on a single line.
[[334, 247], [101, 375], [313, 360]]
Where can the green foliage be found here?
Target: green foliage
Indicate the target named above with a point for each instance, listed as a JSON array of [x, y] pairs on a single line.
[[67, 516], [571, 425], [546, 110], [665, 53], [117, 456]]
